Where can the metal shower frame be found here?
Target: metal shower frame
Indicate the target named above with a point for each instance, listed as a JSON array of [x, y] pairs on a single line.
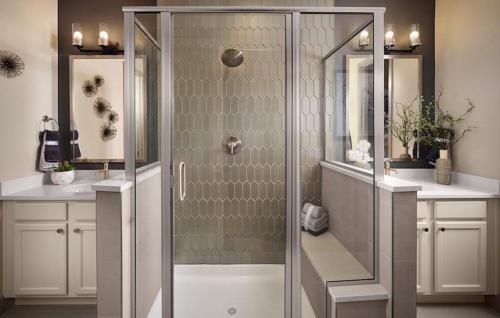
[[293, 169]]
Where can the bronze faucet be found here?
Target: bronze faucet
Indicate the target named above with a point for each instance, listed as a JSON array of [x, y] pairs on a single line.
[[104, 171], [388, 169]]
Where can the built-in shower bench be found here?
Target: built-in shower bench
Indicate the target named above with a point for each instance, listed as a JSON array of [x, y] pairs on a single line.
[[325, 259]]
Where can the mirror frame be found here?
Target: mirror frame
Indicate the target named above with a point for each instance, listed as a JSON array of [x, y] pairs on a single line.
[[71, 125]]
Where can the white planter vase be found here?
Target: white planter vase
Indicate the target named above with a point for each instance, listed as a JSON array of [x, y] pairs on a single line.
[[62, 177]]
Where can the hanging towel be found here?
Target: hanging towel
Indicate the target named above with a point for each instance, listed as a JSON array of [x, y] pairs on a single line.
[[49, 150], [75, 147]]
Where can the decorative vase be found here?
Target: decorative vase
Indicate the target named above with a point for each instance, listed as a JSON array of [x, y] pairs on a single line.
[[443, 168], [405, 155], [64, 177]]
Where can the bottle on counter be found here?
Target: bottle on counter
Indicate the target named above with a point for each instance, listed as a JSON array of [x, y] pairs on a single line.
[[443, 168]]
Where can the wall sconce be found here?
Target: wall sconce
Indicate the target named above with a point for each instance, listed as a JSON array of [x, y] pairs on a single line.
[[390, 36], [107, 47], [390, 41], [415, 35], [76, 30], [364, 39]]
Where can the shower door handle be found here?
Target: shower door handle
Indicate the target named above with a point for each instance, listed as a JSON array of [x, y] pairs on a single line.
[[182, 180]]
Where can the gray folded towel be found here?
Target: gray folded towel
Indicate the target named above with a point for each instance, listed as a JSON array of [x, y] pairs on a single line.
[[312, 210], [313, 218], [316, 225]]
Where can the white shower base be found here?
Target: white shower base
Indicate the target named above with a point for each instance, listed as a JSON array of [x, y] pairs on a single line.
[[240, 291]]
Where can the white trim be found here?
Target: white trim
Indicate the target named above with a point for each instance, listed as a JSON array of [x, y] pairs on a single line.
[[353, 172], [252, 9], [111, 185], [355, 293]]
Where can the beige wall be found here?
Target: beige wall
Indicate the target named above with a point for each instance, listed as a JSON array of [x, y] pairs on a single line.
[[467, 66], [29, 28], [25, 99]]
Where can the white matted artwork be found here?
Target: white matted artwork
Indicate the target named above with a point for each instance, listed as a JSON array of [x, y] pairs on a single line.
[[84, 117]]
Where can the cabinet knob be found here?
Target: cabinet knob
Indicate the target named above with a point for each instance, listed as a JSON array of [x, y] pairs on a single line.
[[426, 229], [77, 230], [442, 229], [60, 231]]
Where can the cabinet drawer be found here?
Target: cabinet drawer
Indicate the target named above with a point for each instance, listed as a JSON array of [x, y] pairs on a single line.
[[460, 209], [422, 211], [54, 211], [82, 211]]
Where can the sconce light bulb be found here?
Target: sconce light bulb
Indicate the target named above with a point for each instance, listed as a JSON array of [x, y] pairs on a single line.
[[415, 35], [103, 38], [77, 38], [364, 39], [389, 38], [77, 34], [390, 35]]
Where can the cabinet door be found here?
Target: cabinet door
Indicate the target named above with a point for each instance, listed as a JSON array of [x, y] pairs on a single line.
[[460, 256], [82, 250], [424, 250], [82, 259], [40, 262]]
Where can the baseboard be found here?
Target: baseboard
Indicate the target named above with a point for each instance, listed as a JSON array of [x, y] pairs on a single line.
[[56, 301], [451, 299], [5, 303], [494, 302]]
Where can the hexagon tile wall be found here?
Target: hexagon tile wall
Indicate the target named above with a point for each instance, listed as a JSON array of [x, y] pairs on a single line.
[[235, 208]]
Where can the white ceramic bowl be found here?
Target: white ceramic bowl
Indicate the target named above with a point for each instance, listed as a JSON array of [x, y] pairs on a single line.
[[62, 177]]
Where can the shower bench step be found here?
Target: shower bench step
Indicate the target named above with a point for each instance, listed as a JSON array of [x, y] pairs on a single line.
[[358, 301]]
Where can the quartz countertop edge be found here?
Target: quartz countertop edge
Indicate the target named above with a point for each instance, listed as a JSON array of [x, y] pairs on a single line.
[[112, 185], [398, 185]]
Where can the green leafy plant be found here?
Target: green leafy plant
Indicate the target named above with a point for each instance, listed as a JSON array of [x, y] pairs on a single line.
[[405, 124], [438, 127], [64, 166]]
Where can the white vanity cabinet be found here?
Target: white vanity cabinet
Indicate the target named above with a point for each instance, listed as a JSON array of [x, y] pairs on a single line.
[[452, 247], [49, 249]]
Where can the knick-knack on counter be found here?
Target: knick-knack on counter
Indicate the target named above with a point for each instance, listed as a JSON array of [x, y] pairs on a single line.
[[443, 168]]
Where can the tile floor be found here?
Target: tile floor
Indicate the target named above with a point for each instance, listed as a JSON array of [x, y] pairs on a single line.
[[455, 311], [75, 311]]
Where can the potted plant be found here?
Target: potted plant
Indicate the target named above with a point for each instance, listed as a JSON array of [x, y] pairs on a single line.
[[64, 173], [404, 126], [439, 129]]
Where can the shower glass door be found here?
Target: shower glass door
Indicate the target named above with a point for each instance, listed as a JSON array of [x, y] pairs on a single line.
[[229, 142]]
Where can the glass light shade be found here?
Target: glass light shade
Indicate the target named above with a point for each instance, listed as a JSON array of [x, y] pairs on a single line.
[[415, 35], [103, 34], [76, 30], [364, 39], [390, 35]]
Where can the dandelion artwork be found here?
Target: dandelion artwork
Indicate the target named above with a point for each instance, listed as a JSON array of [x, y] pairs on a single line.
[[98, 80], [113, 117], [11, 64], [89, 89], [108, 132], [102, 106]]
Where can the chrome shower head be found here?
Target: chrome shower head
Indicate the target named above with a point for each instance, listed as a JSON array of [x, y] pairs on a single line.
[[232, 57]]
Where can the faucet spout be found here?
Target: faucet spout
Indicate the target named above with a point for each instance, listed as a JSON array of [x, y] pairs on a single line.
[[104, 171]]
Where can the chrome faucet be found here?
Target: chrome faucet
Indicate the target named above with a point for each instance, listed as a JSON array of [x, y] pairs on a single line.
[[104, 171]]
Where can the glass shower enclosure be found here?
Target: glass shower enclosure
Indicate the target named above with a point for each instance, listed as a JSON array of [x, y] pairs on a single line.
[[213, 148]]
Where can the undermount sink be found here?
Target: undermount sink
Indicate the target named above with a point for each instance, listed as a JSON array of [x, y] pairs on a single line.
[[79, 189]]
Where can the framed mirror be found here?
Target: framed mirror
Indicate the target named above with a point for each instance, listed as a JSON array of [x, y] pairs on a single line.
[[96, 107], [402, 85]]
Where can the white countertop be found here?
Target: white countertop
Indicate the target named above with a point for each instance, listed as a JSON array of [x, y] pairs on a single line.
[[463, 186], [38, 188]]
